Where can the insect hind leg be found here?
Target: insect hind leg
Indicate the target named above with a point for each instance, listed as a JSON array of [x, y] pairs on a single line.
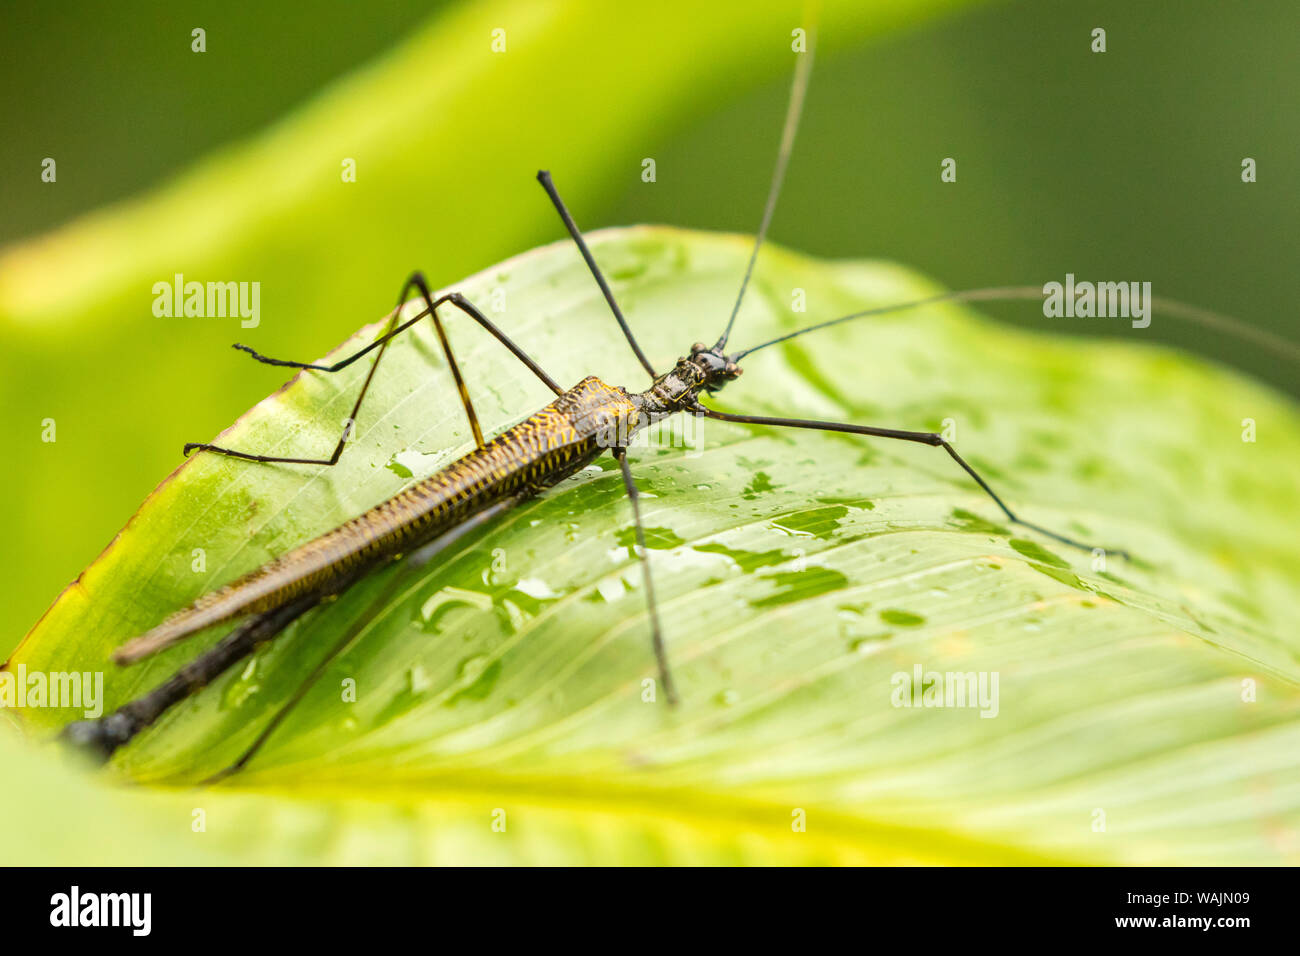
[[395, 328], [418, 558], [102, 736]]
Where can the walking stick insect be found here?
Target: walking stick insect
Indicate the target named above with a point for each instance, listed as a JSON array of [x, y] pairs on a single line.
[[578, 426]]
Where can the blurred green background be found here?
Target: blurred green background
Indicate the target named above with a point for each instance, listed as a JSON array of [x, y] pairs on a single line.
[[1124, 165]]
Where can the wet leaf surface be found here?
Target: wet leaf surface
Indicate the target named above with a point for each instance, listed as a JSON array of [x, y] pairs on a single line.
[[804, 580]]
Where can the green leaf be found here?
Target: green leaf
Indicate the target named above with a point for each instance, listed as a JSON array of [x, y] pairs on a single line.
[[447, 137], [802, 577]]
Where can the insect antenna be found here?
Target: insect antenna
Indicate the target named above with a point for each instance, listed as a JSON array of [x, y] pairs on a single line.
[[794, 109], [544, 178], [1205, 318]]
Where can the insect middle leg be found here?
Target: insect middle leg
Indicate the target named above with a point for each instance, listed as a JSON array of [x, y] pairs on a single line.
[[395, 327], [656, 634], [923, 438]]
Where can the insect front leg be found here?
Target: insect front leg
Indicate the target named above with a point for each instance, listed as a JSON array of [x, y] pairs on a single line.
[[923, 438]]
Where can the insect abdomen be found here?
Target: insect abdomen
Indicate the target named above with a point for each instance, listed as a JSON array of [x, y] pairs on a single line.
[[544, 448]]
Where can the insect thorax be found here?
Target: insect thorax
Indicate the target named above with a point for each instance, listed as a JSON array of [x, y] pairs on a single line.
[[604, 413], [674, 391]]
